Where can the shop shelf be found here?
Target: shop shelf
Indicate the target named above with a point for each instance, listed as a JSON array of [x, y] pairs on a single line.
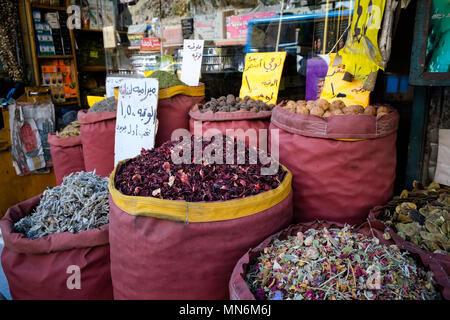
[[56, 57], [43, 6], [93, 68]]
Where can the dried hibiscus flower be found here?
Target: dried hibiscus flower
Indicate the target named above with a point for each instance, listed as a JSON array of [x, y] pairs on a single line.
[[154, 174]]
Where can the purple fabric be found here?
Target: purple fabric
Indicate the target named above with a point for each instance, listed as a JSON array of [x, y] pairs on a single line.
[[315, 69]]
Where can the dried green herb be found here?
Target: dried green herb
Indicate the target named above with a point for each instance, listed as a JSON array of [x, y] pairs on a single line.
[[80, 203], [167, 79], [337, 264]]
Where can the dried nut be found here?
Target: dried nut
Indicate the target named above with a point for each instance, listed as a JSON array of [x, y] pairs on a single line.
[[327, 114], [354, 109], [337, 112], [337, 104], [380, 114], [370, 110], [310, 104], [317, 111], [291, 103], [383, 110], [322, 103], [301, 103], [302, 110]]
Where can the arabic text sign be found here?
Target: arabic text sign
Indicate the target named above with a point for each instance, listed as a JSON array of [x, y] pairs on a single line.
[[192, 61], [136, 117], [262, 74], [111, 83]]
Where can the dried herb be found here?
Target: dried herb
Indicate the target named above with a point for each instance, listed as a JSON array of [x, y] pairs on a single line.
[[153, 173], [230, 103], [80, 203], [166, 79], [421, 216], [108, 104], [337, 264], [71, 130]]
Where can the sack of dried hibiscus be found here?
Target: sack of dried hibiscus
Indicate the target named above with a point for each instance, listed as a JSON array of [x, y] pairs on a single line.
[[186, 247]]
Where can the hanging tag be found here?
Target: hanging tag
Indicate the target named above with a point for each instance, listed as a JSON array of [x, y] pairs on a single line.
[[192, 61], [262, 75]]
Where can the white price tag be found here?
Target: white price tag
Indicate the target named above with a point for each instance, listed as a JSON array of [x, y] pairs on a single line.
[[192, 61], [111, 83], [136, 117]]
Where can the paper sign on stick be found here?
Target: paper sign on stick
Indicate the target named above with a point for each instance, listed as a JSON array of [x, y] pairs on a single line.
[[262, 74], [192, 61], [111, 83], [136, 117]]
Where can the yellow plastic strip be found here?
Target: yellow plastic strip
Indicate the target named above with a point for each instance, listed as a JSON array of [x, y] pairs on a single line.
[[91, 100], [188, 91], [192, 212]]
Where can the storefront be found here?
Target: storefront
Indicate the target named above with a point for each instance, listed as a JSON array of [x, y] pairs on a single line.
[[296, 148]]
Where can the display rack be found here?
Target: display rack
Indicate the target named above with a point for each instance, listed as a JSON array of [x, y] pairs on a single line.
[[38, 60]]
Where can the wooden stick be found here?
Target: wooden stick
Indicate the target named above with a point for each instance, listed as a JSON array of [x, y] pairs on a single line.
[[279, 26]]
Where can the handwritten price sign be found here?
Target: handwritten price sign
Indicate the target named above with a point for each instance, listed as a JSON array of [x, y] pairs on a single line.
[[192, 61], [262, 74], [136, 117]]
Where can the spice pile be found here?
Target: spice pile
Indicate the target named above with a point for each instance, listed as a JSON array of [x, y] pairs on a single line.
[[153, 173], [71, 130], [108, 104], [166, 79], [337, 264], [323, 108], [231, 103], [80, 203], [422, 217]]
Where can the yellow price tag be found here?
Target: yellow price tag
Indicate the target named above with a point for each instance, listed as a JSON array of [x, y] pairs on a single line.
[[336, 88], [262, 74]]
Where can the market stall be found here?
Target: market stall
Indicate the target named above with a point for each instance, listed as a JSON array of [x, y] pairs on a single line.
[[281, 190]]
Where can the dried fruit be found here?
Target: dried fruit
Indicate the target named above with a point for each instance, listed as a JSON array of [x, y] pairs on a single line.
[[383, 110], [354, 109], [317, 111], [337, 105], [71, 130], [302, 110], [230, 103], [370, 110], [194, 182], [323, 104]]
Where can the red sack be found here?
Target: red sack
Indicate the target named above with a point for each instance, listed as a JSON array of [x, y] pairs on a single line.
[[229, 120], [98, 132], [38, 268], [240, 291], [153, 257], [173, 113], [336, 180], [67, 155]]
